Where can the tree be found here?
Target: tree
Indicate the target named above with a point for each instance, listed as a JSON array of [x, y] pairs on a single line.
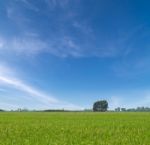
[[117, 109], [123, 109], [1, 110], [100, 106]]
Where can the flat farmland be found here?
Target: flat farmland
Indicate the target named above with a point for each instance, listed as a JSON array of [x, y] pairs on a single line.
[[74, 128]]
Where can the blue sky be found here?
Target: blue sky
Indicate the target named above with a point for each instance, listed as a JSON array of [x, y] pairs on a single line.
[[70, 53]]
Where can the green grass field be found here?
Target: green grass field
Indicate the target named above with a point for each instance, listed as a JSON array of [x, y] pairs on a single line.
[[73, 128]]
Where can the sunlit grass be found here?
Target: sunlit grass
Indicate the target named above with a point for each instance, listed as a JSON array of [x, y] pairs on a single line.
[[74, 128]]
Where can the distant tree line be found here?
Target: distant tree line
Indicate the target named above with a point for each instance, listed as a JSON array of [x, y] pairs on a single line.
[[102, 106], [54, 110], [1, 110], [98, 106], [138, 109]]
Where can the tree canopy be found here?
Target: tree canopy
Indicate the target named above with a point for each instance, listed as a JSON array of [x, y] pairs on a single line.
[[100, 106]]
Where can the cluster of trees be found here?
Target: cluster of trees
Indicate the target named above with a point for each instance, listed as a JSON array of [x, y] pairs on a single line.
[[138, 109], [102, 106]]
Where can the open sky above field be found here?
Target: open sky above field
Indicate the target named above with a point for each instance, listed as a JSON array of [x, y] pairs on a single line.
[[70, 53]]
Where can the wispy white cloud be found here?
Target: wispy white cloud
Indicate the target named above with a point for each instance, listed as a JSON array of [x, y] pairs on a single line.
[[27, 89], [31, 45], [62, 44], [47, 100], [28, 45], [18, 84], [65, 46]]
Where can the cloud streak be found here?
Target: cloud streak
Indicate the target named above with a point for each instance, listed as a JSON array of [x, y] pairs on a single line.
[[81, 42], [27, 89], [67, 33], [45, 99], [62, 46], [32, 45], [19, 85]]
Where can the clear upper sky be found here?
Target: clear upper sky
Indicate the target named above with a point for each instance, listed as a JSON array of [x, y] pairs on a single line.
[[70, 53]]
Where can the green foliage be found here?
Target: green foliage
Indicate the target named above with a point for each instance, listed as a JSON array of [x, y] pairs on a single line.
[[72, 128], [101, 106]]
